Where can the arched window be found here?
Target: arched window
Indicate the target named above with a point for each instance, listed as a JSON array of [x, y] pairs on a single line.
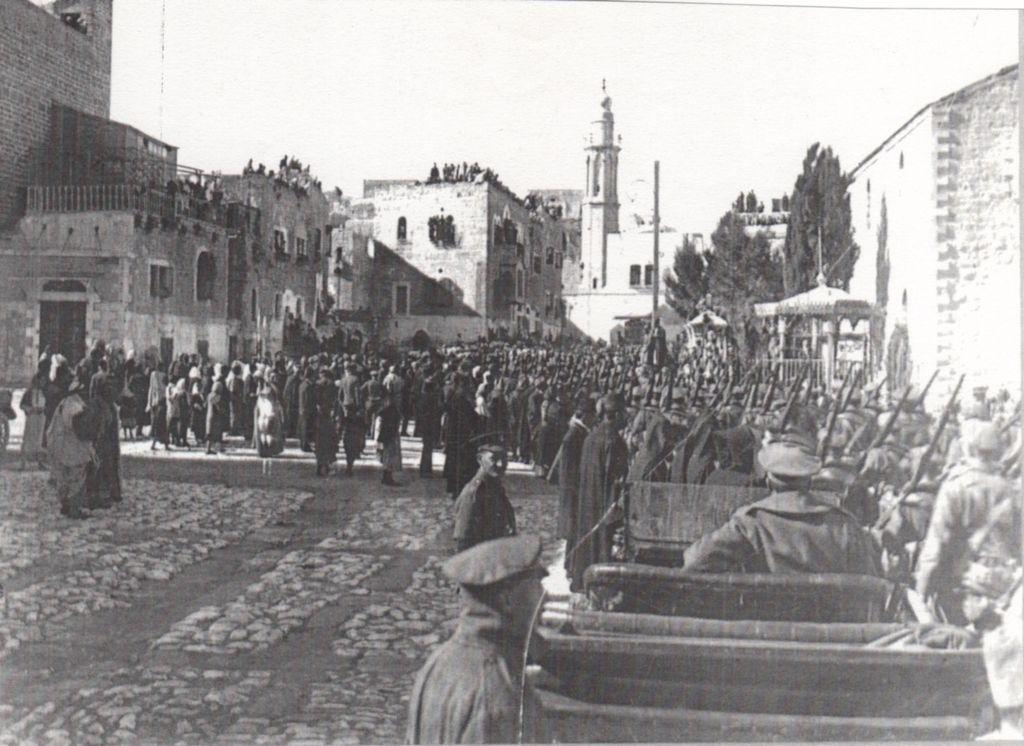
[[401, 228], [277, 306], [785, 202], [253, 305], [298, 308], [206, 273]]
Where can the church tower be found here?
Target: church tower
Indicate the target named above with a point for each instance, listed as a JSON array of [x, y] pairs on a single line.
[[601, 201]]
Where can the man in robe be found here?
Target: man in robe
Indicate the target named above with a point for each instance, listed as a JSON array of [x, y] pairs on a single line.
[[569, 467], [603, 463], [462, 426]]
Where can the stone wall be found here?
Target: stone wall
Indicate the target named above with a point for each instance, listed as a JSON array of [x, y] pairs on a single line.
[[935, 208], [110, 253], [978, 235], [43, 60]]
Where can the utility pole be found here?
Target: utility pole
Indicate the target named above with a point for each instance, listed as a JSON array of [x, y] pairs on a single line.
[[657, 230]]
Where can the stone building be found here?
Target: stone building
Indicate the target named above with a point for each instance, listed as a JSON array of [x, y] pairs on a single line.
[[284, 265], [936, 214], [613, 280], [49, 52], [119, 242], [451, 259]]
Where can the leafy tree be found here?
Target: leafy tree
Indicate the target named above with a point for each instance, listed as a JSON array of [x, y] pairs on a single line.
[[741, 272], [687, 283], [820, 205]]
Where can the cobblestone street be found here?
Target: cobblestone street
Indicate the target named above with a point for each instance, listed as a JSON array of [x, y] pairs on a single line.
[[219, 604]]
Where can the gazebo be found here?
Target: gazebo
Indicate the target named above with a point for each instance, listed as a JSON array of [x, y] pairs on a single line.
[[821, 325]]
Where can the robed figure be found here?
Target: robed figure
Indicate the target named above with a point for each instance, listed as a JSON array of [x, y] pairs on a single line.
[[569, 478], [604, 462]]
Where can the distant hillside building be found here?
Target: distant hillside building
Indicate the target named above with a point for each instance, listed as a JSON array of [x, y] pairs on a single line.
[[936, 214]]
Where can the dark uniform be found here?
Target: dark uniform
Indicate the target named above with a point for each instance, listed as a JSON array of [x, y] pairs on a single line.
[[482, 512], [468, 691]]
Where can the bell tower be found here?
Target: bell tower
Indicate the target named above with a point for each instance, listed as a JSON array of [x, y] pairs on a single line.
[[601, 201]]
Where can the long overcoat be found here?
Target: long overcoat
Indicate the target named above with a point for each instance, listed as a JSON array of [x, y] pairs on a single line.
[[603, 462]]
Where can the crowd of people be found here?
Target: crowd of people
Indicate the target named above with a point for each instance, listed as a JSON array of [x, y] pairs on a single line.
[[859, 479], [290, 174]]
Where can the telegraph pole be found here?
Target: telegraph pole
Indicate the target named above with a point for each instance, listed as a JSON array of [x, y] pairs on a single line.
[[657, 230]]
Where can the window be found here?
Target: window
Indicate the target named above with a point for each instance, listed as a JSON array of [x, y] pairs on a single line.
[[206, 274], [277, 306], [253, 305], [203, 348], [298, 308], [550, 256], [594, 283], [161, 281], [300, 247], [558, 260], [318, 244], [401, 300], [648, 274], [536, 264], [634, 275], [401, 228], [280, 241]]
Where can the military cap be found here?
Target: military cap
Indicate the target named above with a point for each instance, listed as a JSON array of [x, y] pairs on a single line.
[[790, 456], [494, 561], [493, 441]]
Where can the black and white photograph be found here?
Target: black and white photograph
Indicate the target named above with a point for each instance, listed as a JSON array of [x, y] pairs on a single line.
[[524, 371]]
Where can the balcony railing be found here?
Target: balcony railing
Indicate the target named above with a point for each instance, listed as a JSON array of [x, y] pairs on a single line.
[[121, 198]]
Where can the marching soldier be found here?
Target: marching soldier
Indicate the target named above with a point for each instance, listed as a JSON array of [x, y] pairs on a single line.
[[967, 560]]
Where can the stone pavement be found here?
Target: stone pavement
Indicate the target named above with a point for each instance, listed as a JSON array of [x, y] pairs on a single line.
[[219, 605]]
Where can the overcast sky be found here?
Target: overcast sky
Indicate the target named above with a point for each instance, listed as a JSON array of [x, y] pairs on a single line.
[[728, 98]]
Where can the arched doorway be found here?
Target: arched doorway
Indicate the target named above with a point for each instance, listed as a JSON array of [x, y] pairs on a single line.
[[62, 310], [420, 341]]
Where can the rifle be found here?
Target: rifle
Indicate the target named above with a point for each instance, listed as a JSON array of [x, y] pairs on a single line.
[[920, 400], [853, 388], [833, 415], [793, 394], [882, 434], [773, 380], [922, 465], [751, 394]]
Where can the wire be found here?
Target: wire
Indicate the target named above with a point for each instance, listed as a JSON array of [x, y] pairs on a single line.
[[163, 26]]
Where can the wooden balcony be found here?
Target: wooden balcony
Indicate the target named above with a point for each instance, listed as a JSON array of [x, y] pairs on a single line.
[[121, 198]]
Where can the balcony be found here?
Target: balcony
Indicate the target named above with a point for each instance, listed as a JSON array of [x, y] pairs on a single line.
[[122, 198]]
